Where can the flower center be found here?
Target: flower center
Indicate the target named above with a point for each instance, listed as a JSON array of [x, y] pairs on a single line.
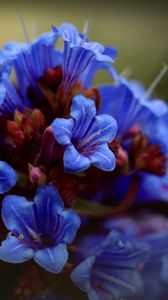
[[34, 240]]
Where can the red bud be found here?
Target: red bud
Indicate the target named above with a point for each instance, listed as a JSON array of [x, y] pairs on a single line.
[[37, 176]]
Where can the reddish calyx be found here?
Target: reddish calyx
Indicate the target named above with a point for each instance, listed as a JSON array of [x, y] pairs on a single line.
[[26, 126], [66, 185], [60, 97], [120, 154], [147, 157]]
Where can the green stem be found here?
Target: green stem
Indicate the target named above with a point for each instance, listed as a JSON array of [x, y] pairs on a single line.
[[88, 208]]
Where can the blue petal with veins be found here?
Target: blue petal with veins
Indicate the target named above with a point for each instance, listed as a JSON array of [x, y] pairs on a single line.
[[40, 229], [85, 137]]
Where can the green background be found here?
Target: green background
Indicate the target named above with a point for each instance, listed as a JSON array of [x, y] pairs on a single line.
[[138, 29]]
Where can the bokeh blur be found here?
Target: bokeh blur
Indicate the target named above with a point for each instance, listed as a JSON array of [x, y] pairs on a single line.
[[138, 29]]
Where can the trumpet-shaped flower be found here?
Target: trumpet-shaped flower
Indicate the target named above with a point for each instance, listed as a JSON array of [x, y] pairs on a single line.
[[32, 60], [39, 229], [150, 229], [81, 57], [110, 272], [120, 102], [142, 121], [86, 137], [38, 64]]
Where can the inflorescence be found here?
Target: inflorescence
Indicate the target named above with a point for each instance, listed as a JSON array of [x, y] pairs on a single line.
[[94, 159]]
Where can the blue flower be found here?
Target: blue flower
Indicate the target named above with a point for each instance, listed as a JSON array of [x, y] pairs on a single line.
[[32, 60], [142, 126], [125, 103], [158, 106], [120, 102], [151, 230], [156, 287], [9, 98], [86, 137], [39, 229], [8, 177], [5, 66], [111, 271], [159, 190], [81, 58]]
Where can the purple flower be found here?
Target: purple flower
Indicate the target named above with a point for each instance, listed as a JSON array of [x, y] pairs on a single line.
[[85, 137], [39, 229], [110, 272], [8, 177]]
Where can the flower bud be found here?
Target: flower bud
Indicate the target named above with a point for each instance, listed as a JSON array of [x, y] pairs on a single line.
[[27, 126], [12, 127], [37, 176], [38, 120], [49, 146], [18, 116]]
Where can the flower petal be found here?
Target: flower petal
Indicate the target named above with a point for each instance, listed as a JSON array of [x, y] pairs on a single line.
[[62, 129], [8, 177], [87, 76], [18, 215], [80, 53], [103, 129], [52, 259], [32, 60], [82, 111], [103, 158], [47, 205], [82, 273], [10, 99], [121, 103], [112, 270], [14, 251], [5, 66], [73, 223], [157, 106], [74, 161]]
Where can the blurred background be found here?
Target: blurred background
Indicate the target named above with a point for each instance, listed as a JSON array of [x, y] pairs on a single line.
[[138, 29]]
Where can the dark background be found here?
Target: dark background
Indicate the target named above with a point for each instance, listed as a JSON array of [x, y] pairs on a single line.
[[139, 29]]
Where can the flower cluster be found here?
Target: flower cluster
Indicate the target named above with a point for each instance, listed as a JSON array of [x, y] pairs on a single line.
[[94, 159]]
